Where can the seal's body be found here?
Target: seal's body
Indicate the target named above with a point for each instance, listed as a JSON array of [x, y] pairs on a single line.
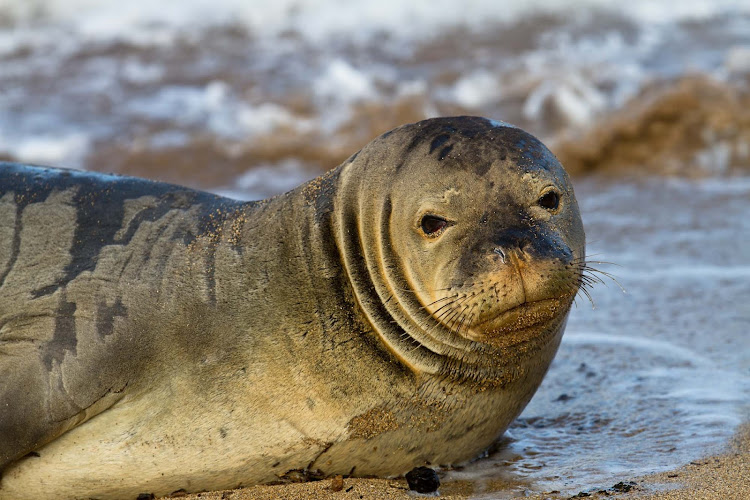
[[400, 310]]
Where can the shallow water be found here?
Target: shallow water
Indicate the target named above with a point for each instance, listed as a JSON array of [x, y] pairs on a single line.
[[652, 378]]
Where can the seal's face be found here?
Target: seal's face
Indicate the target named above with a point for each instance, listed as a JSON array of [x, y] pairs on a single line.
[[491, 256], [475, 231], [492, 242]]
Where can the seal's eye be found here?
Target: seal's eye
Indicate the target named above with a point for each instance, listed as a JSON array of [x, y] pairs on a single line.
[[550, 200], [432, 224]]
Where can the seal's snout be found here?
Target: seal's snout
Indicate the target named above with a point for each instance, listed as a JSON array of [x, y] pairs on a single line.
[[524, 244]]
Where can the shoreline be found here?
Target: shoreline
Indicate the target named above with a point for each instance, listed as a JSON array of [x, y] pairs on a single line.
[[716, 477]]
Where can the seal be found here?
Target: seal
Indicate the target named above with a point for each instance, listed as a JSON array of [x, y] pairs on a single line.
[[398, 311]]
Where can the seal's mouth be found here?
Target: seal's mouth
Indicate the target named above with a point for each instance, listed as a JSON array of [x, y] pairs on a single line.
[[520, 323]]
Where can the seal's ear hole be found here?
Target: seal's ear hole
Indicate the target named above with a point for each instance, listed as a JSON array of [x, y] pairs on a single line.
[[432, 224], [549, 200]]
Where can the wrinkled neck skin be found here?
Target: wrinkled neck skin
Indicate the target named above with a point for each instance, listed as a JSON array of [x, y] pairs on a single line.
[[403, 324], [333, 242]]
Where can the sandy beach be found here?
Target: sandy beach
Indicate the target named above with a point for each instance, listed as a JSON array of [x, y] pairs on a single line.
[[725, 476]]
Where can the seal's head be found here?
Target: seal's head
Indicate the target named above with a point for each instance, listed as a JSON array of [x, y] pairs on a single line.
[[462, 236]]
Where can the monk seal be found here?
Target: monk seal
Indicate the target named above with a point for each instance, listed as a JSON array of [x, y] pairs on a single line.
[[399, 310]]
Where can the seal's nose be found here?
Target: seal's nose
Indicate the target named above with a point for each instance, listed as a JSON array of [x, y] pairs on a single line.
[[525, 244], [501, 253], [512, 241]]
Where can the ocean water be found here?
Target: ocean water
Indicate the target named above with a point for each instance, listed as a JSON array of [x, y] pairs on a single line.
[[147, 87], [250, 98]]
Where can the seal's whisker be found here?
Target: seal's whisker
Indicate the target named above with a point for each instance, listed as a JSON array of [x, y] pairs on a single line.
[[450, 319], [447, 297], [606, 262], [585, 291], [440, 320], [447, 304], [588, 256], [460, 316], [573, 287], [599, 271], [592, 280], [446, 319], [471, 318], [466, 317], [438, 315], [445, 314], [450, 287], [457, 321], [461, 323], [593, 271], [453, 317], [590, 275], [405, 335]]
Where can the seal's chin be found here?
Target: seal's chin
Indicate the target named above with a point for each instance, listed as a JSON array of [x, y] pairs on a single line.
[[520, 323]]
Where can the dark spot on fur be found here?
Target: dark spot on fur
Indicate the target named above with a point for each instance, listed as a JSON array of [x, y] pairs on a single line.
[[64, 338], [105, 316], [477, 144], [353, 157], [15, 245], [444, 152], [99, 200], [150, 214], [438, 141], [481, 168], [415, 141]]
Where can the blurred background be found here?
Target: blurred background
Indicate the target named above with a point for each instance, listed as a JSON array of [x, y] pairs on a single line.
[[645, 102], [258, 95]]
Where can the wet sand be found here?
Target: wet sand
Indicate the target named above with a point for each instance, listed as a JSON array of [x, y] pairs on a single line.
[[719, 477], [722, 477]]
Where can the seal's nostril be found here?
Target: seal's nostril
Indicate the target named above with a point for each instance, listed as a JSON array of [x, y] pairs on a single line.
[[501, 253]]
